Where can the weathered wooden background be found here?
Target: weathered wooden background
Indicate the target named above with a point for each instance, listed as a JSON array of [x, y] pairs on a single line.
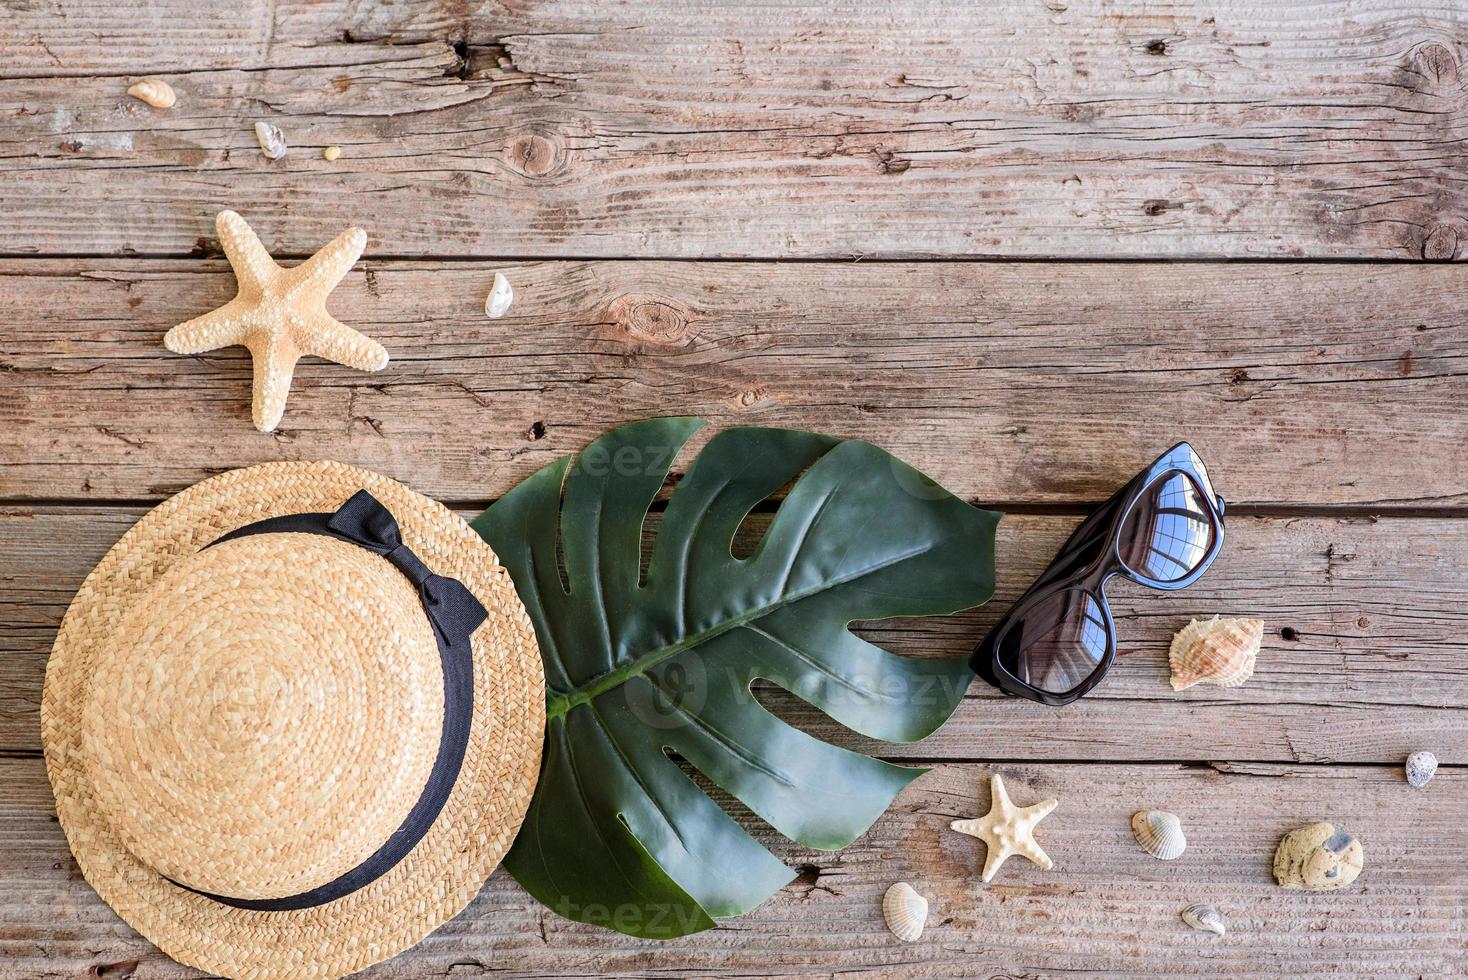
[[990, 237]]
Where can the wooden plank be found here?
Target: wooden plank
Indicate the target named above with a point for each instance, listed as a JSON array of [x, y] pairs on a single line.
[[1007, 383], [1106, 908], [1363, 660], [695, 129]]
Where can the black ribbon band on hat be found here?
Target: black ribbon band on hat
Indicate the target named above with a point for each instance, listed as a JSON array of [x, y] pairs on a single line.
[[455, 614]]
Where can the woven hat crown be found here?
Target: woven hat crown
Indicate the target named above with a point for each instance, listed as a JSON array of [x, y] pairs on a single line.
[[265, 715]]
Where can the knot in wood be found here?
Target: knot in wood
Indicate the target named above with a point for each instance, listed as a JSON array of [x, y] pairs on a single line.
[[1435, 63], [533, 155], [750, 397], [1441, 243], [652, 319]]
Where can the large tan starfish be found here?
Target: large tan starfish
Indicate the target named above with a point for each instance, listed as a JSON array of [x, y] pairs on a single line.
[[1008, 829], [280, 315]]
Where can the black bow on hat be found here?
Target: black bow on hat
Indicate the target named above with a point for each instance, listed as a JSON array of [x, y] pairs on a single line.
[[451, 608]]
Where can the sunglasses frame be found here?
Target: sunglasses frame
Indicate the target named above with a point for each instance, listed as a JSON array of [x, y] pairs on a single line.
[[1061, 575]]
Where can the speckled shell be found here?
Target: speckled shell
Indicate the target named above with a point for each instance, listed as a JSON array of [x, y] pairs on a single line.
[[1421, 767], [1205, 918], [906, 912], [1215, 651], [1160, 833], [1317, 858]]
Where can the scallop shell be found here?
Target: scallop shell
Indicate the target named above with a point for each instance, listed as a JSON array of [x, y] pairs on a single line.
[[154, 91], [1215, 651], [1160, 833], [1317, 858], [906, 912], [272, 140], [1421, 767], [497, 303], [1204, 917]]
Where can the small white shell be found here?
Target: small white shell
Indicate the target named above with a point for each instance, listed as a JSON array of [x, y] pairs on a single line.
[[1215, 651], [497, 303], [272, 140], [1160, 833], [1204, 917], [906, 912], [1421, 767], [154, 91]]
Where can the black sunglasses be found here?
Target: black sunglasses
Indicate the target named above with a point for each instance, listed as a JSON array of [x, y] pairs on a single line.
[[1162, 530]]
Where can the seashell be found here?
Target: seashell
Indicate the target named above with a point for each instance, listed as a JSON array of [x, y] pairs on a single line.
[[1204, 917], [272, 140], [154, 91], [1215, 651], [497, 303], [1317, 858], [1421, 767], [331, 153], [906, 912], [1160, 833]]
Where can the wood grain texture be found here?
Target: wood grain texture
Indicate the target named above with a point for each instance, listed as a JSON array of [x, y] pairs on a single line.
[[1364, 659], [1106, 908], [556, 139], [1301, 385], [784, 129]]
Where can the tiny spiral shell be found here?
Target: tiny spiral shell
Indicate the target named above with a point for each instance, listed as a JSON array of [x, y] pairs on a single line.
[[272, 140], [1160, 833], [497, 303], [906, 912], [1205, 918], [1215, 651]]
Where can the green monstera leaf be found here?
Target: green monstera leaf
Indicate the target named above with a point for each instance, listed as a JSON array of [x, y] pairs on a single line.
[[643, 666]]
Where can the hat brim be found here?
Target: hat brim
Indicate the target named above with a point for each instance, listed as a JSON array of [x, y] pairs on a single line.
[[447, 867]]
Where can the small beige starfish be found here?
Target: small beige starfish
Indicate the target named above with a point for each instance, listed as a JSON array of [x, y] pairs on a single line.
[[280, 315], [1008, 829]]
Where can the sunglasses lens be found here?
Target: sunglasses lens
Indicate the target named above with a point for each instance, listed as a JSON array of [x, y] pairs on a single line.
[[1168, 532], [1058, 644]]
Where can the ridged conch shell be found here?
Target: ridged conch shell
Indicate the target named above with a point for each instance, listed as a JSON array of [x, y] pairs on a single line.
[[272, 140], [154, 91], [1421, 767], [1204, 917], [1160, 833], [497, 303], [1317, 858], [1215, 651], [906, 912]]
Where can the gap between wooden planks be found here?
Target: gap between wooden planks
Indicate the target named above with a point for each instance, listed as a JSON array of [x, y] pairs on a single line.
[[1106, 908], [1011, 384], [668, 128]]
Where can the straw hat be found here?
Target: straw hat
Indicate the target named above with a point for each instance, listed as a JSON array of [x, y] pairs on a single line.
[[270, 753]]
